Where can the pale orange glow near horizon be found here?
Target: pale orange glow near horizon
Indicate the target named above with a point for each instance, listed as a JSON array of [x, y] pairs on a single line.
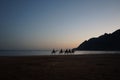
[[48, 24]]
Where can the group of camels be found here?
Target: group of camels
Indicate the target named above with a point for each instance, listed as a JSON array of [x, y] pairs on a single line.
[[67, 51]]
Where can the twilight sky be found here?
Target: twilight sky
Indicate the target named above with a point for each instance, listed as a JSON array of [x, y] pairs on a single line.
[[48, 24]]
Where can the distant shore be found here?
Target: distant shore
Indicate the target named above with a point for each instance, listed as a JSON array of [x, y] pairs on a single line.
[[61, 67]]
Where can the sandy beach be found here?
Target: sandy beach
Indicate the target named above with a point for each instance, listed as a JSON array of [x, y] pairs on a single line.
[[61, 67]]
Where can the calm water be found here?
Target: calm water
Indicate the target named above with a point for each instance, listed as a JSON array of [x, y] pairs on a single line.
[[48, 52]]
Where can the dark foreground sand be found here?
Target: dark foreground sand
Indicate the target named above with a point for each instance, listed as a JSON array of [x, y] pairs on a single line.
[[74, 67]]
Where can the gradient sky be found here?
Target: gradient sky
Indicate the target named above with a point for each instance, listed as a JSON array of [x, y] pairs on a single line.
[[48, 24]]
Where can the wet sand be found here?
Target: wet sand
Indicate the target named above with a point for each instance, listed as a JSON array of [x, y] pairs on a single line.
[[62, 67]]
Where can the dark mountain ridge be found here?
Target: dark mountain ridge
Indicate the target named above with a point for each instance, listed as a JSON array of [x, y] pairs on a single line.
[[106, 42]]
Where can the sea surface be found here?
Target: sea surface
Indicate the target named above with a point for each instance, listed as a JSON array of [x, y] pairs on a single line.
[[48, 52]]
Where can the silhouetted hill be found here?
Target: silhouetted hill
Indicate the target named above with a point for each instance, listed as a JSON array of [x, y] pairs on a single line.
[[104, 42]]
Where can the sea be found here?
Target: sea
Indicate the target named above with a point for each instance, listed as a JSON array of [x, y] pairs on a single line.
[[48, 52]]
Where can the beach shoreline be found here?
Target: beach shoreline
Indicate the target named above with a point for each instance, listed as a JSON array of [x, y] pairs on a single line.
[[61, 67]]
